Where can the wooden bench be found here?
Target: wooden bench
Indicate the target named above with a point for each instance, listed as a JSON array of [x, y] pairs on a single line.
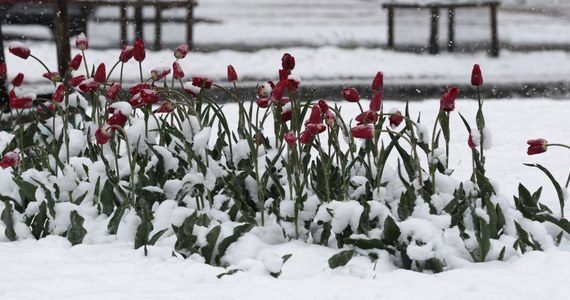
[[87, 7], [450, 6]]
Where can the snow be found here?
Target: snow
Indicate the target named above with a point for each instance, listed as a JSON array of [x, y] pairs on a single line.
[[107, 266]]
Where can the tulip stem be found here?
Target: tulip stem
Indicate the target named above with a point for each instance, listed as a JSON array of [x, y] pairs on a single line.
[[85, 63], [559, 145]]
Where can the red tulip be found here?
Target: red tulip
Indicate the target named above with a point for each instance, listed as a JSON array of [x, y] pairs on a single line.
[[3, 70], [202, 82], [20, 102], [315, 129], [330, 118], [19, 50], [17, 81], [137, 88], [293, 83], [139, 50], [536, 146], [396, 118], [323, 106], [102, 135], [367, 117], [279, 89], [470, 142], [126, 54], [149, 96], [364, 131], [59, 94], [75, 62], [166, 107], [191, 89], [290, 138], [376, 102], [112, 91], [232, 75], [286, 116], [52, 76], [288, 62], [75, 81], [81, 42], [88, 85], [100, 74], [264, 90], [315, 116], [262, 102], [117, 119], [476, 77], [10, 159], [305, 138], [159, 73], [350, 95], [136, 100], [378, 82], [447, 101], [181, 51], [283, 74], [178, 73]]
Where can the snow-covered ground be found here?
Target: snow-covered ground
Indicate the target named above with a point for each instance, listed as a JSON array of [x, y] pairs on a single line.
[[52, 269]]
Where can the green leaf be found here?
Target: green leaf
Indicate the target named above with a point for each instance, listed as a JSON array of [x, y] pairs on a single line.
[[107, 198], [211, 239], [156, 236], [145, 228], [557, 186], [76, 232], [9, 221], [341, 259], [27, 188], [391, 231], [40, 222], [114, 222], [225, 243]]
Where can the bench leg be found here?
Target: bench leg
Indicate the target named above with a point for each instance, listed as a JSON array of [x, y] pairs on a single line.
[[84, 16], [123, 23], [494, 31], [61, 34], [157, 27], [451, 30], [4, 106], [434, 36], [139, 20], [190, 24], [390, 44]]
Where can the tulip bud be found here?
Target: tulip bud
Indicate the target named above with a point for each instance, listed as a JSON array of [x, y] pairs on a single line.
[[323, 106], [305, 138], [202, 82], [290, 138], [103, 134], [126, 54], [330, 118], [88, 85], [100, 74], [288, 62], [367, 117], [81, 42], [117, 119], [447, 101], [395, 118], [232, 75], [262, 102], [364, 131], [52, 76], [476, 76], [350, 95], [159, 73], [376, 102], [166, 107], [59, 94], [181, 51], [315, 116], [536, 146], [17, 81], [19, 50], [112, 91], [20, 102], [137, 88], [10, 159], [178, 73], [471, 142], [378, 82], [75, 81], [139, 50], [149, 96], [75, 62], [264, 90]]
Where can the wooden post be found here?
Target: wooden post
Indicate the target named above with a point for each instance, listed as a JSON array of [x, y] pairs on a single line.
[[451, 30], [190, 24], [157, 26], [434, 37], [4, 105], [123, 22], [494, 30], [390, 28], [84, 16], [139, 19], [61, 34]]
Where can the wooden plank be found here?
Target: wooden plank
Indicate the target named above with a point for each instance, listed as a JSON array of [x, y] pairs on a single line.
[[123, 22], [451, 29], [138, 19], [190, 23], [391, 28], [440, 5], [494, 32], [61, 34], [157, 27]]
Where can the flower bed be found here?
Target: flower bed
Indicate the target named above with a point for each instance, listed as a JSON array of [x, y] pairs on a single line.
[[159, 161]]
